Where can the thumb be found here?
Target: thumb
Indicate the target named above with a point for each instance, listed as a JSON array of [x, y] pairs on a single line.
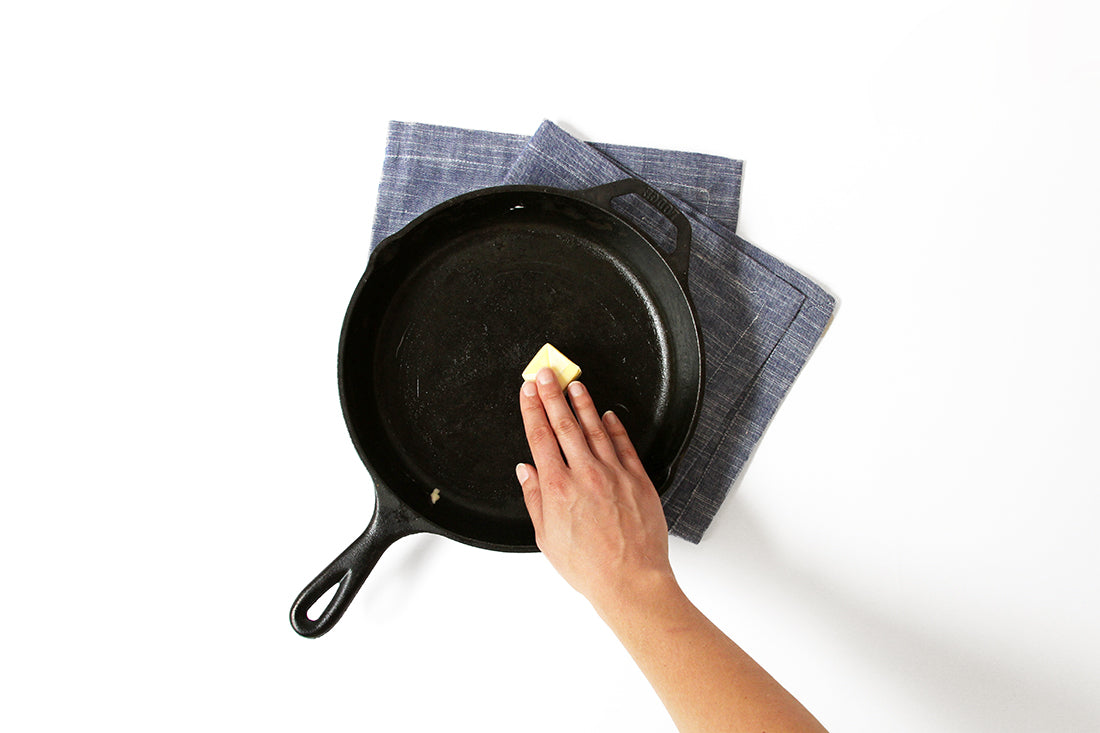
[[532, 493]]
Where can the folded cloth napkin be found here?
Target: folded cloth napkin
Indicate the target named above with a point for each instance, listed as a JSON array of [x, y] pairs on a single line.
[[760, 319]]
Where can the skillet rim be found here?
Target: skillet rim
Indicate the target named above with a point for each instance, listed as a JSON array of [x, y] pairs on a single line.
[[416, 520]]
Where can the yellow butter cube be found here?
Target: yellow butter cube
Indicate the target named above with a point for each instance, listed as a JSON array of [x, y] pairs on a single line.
[[565, 370]]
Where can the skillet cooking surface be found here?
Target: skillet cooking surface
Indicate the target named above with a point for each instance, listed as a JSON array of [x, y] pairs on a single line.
[[431, 357]]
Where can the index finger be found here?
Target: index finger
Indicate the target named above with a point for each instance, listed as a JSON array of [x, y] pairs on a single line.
[[540, 436]]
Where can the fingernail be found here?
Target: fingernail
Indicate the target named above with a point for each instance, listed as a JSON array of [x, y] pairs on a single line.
[[530, 389], [546, 376], [576, 389], [611, 418], [521, 472]]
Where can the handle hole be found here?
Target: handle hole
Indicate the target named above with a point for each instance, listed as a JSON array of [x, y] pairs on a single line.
[[321, 603], [646, 216]]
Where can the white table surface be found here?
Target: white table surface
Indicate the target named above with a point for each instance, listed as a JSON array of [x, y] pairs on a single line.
[[186, 197]]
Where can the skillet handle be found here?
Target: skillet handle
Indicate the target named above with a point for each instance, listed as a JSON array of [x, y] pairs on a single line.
[[350, 569], [678, 258]]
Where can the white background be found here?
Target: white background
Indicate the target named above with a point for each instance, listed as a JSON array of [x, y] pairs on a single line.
[[186, 197]]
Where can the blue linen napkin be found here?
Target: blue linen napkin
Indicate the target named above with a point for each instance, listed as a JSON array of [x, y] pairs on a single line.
[[760, 319]]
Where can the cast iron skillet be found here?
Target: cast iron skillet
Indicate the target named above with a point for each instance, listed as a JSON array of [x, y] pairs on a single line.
[[450, 310]]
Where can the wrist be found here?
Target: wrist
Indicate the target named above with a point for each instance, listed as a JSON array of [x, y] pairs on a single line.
[[640, 597]]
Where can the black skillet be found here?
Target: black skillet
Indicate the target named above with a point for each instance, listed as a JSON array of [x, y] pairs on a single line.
[[447, 315]]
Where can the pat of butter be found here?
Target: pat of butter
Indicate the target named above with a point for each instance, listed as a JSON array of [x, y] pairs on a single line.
[[565, 370]]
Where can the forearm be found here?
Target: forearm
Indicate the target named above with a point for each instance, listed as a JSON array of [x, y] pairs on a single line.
[[706, 682]]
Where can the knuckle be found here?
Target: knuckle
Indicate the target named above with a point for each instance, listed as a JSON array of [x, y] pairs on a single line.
[[627, 449], [596, 434], [564, 425], [591, 474], [628, 456], [556, 485], [539, 435]]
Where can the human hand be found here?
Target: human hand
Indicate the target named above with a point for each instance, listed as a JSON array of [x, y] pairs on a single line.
[[597, 516], [599, 521]]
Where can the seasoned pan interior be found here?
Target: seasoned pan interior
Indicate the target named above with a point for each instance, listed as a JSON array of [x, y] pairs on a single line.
[[453, 308]]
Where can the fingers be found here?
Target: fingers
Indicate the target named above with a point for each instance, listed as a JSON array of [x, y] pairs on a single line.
[[560, 417], [624, 449], [594, 433], [552, 428], [540, 436], [532, 493]]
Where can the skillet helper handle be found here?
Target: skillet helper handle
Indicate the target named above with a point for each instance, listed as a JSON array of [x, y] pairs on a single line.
[[678, 258], [347, 572]]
